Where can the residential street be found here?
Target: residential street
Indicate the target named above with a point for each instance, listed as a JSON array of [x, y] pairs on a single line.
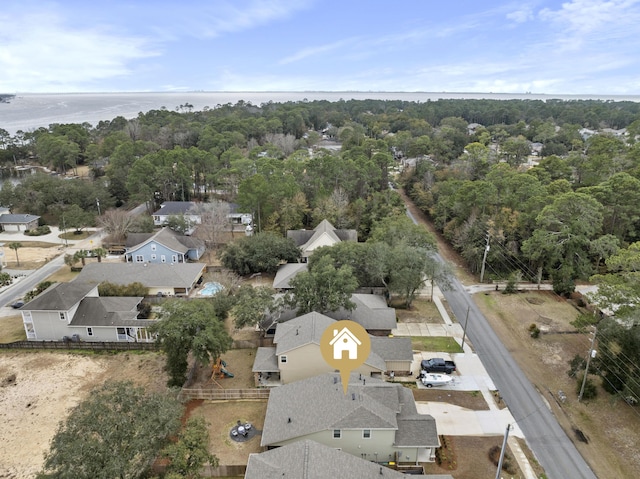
[[548, 441]]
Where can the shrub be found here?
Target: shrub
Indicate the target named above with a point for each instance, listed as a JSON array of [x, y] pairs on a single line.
[[534, 330], [590, 388], [39, 231]]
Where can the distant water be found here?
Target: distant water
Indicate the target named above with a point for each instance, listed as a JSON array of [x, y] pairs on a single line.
[[28, 112]]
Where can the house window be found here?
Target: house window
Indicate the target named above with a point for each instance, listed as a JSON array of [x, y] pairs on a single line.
[[26, 316], [153, 247], [153, 256], [283, 359], [89, 331], [31, 332], [366, 433], [63, 316], [139, 258], [163, 258], [121, 333], [174, 259], [337, 433]]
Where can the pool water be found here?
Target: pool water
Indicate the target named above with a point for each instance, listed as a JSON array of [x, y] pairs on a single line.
[[210, 288]]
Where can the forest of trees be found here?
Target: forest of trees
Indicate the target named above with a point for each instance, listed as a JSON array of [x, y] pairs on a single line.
[[466, 163]]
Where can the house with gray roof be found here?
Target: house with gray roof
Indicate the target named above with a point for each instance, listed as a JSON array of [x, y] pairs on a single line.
[[375, 420], [180, 279], [325, 234], [286, 273], [312, 460], [163, 246], [371, 312], [176, 208], [18, 222], [296, 353], [75, 310]]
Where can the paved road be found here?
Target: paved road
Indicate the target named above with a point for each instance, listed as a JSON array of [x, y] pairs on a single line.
[[548, 441]]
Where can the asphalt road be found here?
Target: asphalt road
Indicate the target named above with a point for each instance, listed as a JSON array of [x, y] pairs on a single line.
[[548, 441]]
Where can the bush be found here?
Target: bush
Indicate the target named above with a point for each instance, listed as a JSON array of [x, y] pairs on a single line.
[[534, 330], [590, 388], [39, 231]]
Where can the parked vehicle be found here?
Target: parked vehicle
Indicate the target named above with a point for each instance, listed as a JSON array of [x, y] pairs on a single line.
[[433, 379], [438, 365]]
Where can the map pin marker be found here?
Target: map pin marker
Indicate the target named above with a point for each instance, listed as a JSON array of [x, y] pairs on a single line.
[[345, 346]]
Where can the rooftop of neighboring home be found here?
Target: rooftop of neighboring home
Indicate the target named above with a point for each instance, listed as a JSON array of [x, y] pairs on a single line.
[[313, 460], [150, 275], [166, 237]]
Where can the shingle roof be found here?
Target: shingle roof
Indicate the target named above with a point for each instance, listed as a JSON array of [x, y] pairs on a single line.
[[286, 272], [312, 460], [392, 349], [165, 236], [371, 312], [59, 297], [179, 275], [266, 361], [319, 403], [108, 311], [308, 329], [174, 208], [17, 218], [304, 238]]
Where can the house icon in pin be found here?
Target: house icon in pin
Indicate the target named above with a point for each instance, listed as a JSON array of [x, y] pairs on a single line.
[[343, 341]]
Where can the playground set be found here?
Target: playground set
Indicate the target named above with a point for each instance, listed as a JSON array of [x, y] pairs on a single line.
[[219, 371]]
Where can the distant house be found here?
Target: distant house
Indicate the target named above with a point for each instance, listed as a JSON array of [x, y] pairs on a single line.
[[311, 459], [325, 234], [371, 312], [164, 246], [180, 279], [176, 208], [75, 310], [376, 420], [296, 353], [189, 209], [18, 222]]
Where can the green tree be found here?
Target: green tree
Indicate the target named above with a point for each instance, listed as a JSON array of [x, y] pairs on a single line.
[[190, 452], [252, 305], [323, 288], [260, 253], [412, 268], [15, 246], [116, 432], [189, 327], [76, 217]]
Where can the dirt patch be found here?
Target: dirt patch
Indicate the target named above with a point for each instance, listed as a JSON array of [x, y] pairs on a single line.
[[467, 457], [239, 362], [422, 311], [45, 386], [467, 399], [221, 416]]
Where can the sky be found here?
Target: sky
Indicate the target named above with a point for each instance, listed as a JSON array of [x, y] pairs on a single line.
[[483, 46]]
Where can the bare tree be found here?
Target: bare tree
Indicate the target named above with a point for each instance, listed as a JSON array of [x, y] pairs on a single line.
[[214, 217], [116, 223]]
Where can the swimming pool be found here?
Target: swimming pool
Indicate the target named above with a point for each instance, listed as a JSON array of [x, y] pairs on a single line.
[[210, 288]]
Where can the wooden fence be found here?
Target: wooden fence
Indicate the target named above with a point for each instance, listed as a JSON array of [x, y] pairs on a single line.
[[221, 394], [94, 346]]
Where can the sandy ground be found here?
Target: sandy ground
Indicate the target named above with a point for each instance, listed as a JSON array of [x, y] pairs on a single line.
[[37, 390]]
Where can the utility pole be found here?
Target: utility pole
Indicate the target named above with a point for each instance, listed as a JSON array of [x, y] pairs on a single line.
[[484, 258], [464, 330], [592, 353], [504, 446]]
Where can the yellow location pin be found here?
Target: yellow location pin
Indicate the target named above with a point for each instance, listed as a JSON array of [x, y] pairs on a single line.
[[345, 346]]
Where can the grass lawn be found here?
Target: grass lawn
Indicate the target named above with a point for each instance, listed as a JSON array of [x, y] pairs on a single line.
[[11, 329], [444, 344]]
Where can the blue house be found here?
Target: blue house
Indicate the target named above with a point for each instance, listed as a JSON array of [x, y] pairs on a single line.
[[165, 246]]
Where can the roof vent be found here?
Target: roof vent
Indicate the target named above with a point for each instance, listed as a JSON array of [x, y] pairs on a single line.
[[289, 421], [335, 379], [353, 396]]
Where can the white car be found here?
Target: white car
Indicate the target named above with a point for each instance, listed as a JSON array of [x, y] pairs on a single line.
[[433, 379]]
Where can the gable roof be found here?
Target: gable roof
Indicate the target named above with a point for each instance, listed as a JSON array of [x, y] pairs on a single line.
[[313, 460], [392, 349], [371, 312], [17, 218], [174, 208], [319, 403], [108, 311], [305, 238], [166, 237], [152, 275], [59, 297], [308, 329], [286, 273]]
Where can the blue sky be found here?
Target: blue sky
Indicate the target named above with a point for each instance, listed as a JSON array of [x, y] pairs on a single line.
[[571, 47]]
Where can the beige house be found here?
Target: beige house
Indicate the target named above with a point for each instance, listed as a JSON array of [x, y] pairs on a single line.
[[296, 353], [376, 420]]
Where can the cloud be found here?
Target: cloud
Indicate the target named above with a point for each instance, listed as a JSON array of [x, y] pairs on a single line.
[[522, 15], [314, 51], [43, 53]]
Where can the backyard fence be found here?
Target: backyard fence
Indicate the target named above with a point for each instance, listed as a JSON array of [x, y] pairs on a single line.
[[94, 346], [221, 394]]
